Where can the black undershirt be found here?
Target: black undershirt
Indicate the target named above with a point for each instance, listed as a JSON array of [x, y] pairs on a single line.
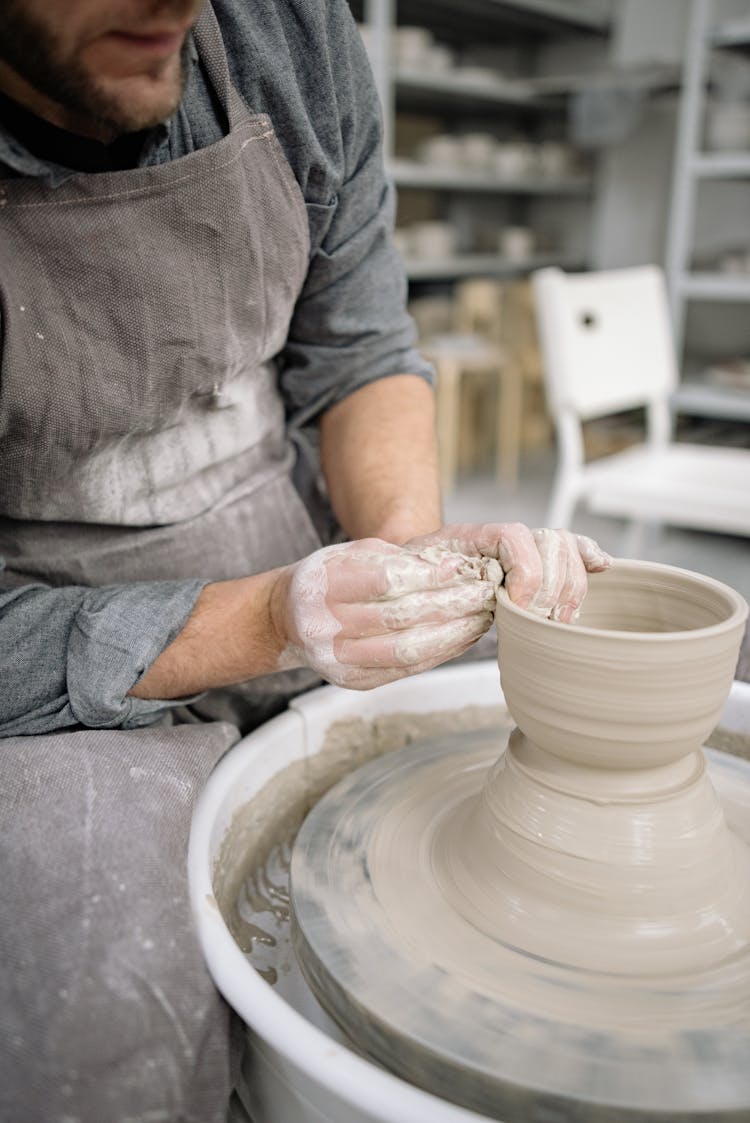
[[69, 150]]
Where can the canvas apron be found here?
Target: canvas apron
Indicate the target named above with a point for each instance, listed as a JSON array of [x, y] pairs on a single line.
[[142, 435]]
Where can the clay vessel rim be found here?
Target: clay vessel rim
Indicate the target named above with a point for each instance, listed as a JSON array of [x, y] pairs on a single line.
[[737, 607]]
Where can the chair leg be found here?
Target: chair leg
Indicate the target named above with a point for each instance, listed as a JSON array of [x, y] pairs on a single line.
[[447, 410], [510, 408], [639, 538], [562, 505]]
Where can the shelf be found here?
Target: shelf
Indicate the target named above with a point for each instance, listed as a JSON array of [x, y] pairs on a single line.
[[704, 400], [722, 165], [483, 265], [539, 93], [563, 12], [732, 33], [417, 85], [495, 21], [648, 77], [409, 173], [715, 286]]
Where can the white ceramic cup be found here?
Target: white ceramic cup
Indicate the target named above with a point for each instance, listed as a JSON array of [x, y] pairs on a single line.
[[728, 126], [411, 47], [516, 243], [478, 151], [432, 241], [553, 159], [513, 159], [441, 151], [440, 59], [402, 240]]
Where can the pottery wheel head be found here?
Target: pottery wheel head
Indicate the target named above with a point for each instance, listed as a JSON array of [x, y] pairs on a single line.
[[422, 955]]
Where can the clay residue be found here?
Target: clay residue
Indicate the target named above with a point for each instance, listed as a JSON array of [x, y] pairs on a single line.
[[260, 835], [730, 741], [251, 876], [467, 1017]]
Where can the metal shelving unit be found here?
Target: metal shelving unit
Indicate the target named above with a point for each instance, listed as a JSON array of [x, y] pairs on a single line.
[[526, 18], [474, 96], [691, 166]]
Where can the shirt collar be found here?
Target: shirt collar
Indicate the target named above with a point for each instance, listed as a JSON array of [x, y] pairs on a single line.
[[15, 157]]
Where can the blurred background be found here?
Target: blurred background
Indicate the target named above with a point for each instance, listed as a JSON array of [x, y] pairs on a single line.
[[589, 136]]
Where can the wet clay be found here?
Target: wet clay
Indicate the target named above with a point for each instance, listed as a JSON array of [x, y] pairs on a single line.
[[583, 896], [251, 873]]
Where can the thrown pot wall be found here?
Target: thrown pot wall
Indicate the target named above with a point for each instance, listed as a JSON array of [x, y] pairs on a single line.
[[638, 681]]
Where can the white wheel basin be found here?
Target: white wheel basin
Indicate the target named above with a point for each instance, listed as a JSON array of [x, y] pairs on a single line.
[[301, 1071]]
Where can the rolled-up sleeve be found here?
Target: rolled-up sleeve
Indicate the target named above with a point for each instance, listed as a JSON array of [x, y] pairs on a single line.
[[350, 325], [69, 656]]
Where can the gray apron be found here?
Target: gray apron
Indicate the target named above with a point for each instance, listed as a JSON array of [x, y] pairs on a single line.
[[142, 437], [142, 434]]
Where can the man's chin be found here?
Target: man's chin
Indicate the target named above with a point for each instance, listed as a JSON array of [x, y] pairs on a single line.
[[132, 105]]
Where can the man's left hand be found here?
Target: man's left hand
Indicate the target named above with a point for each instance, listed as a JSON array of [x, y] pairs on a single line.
[[545, 570]]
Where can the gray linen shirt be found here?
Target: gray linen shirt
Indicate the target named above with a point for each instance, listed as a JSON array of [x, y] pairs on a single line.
[[68, 656]]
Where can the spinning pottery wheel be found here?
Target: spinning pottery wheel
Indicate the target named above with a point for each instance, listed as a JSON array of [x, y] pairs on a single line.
[[558, 929]]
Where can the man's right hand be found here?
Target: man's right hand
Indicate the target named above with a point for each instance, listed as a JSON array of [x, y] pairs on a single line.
[[367, 612]]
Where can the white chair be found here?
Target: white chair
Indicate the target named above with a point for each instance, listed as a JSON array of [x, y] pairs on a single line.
[[607, 346]]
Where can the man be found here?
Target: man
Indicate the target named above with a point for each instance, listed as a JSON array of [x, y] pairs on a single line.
[[197, 286]]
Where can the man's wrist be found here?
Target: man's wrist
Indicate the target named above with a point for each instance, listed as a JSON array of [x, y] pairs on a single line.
[[237, 631], [278, 610], [400, 527]]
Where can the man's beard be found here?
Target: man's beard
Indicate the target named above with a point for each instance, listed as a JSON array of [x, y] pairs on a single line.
[[32, 51]]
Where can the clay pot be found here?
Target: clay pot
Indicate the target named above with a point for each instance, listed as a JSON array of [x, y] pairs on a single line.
[[639, 681]]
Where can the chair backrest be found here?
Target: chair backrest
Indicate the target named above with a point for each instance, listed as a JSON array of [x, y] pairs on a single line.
[[606, 340]]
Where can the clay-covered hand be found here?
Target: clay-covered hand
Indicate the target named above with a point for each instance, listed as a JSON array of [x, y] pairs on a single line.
[[367, 612], [545, 570]]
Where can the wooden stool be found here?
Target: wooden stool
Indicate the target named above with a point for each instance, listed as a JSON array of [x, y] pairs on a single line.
[[475, 349]]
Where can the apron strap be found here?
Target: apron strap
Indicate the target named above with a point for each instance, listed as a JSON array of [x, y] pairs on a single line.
[[210, 44]]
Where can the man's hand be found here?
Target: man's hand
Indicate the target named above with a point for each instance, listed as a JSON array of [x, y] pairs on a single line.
[[545, 570], [368, 612]]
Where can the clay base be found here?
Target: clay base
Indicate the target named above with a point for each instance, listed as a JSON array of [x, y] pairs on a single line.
[[587, 1029]]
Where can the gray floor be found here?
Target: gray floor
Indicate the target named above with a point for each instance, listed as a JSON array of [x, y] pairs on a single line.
[[481, 499]]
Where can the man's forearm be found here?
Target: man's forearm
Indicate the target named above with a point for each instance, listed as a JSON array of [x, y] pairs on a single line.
[[379, 458], [234, 633]]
